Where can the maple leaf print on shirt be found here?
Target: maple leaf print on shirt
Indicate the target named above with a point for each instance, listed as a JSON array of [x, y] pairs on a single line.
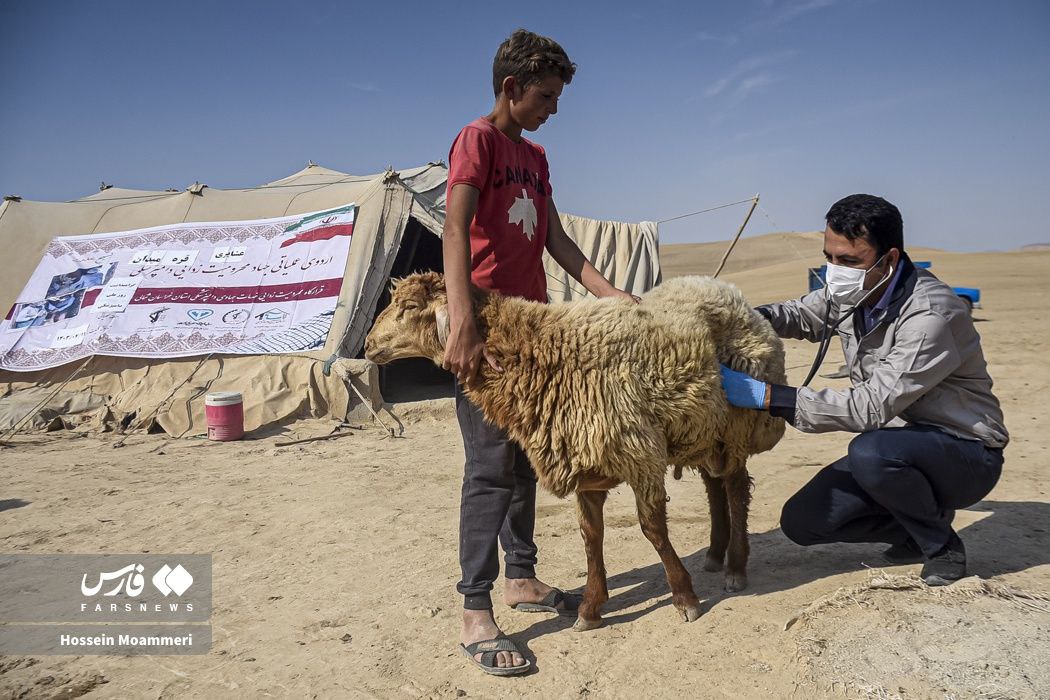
[[523, 212]]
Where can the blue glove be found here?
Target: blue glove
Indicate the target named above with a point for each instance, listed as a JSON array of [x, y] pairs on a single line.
[[742, 390]]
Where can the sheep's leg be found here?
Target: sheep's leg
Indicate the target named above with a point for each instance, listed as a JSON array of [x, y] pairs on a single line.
[[589, 507], [716, 499], [651, 500], [591, 481], [738, 490]]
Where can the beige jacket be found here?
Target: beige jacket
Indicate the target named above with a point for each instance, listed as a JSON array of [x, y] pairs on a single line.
[[922, 363]]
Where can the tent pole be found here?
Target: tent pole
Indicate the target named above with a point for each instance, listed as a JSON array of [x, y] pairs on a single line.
[[36, 409], [754, 203]]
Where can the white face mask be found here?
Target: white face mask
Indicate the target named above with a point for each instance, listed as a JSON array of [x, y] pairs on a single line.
[[845, 285]]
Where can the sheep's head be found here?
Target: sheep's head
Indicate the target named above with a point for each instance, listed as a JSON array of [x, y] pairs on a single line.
[[414, 324]]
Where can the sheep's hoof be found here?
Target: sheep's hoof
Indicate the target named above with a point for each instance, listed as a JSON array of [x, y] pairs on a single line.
[[736, 582], [712, 564], [690, 613], [583, 625]]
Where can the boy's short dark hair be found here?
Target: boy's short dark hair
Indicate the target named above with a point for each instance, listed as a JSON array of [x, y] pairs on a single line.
[[869, 217], [530, 58]]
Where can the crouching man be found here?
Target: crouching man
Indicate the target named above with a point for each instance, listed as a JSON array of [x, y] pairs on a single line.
[[915, 363]]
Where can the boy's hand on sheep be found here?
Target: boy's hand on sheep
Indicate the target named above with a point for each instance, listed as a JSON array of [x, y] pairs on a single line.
[[614, 293], [464, 351], [743, 390]]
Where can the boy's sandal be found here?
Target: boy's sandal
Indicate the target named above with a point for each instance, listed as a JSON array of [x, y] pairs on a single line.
[[491, 647], [570, 603]]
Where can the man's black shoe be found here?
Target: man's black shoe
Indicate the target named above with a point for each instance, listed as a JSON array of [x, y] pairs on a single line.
[[906, 552], [946, 566]]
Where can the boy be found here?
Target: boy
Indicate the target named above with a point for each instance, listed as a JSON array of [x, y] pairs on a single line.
[[500, 218]]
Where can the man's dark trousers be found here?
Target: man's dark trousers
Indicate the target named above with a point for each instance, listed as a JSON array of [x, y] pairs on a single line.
[[893, 483], [498, 502]]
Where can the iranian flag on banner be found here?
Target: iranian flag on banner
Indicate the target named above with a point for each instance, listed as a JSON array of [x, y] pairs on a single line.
[[322, 226]]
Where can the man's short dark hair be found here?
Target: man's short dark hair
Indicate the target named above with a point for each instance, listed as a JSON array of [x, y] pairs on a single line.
[[530, 58], [869, 217]]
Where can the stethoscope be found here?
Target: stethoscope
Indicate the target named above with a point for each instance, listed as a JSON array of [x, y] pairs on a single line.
[[830, 328]]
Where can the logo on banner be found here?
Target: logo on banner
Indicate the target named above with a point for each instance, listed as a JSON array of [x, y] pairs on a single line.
[[272, 315], [154, 316], [199, 314], [235, 316]]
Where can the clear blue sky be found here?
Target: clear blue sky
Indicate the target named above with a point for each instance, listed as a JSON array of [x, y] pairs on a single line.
[[941, 107]]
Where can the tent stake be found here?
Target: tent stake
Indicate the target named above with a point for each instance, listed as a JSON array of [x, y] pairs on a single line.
[[333, 436]]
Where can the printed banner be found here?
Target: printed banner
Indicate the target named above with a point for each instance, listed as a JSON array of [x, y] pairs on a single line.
[[232, 287]]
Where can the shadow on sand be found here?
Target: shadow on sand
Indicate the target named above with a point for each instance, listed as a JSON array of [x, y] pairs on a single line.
[[12, 503], [1013, 536]]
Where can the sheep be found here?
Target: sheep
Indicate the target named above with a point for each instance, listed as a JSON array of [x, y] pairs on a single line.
[[603, 392]]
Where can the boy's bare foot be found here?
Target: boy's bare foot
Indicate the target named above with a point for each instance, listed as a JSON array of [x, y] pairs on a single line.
[[531, 590], [479, 625], [524, 590]]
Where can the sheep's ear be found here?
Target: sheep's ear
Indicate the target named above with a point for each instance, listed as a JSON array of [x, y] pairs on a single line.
[[441, 316], [435, 282]]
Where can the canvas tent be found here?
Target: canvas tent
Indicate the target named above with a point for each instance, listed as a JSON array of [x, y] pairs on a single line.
[[399, 219]]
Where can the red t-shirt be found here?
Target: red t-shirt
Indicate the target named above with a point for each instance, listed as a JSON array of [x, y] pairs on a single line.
[[509, 229]]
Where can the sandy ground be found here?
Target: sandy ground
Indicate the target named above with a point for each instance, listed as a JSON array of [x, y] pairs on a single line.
[[335, 562]]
